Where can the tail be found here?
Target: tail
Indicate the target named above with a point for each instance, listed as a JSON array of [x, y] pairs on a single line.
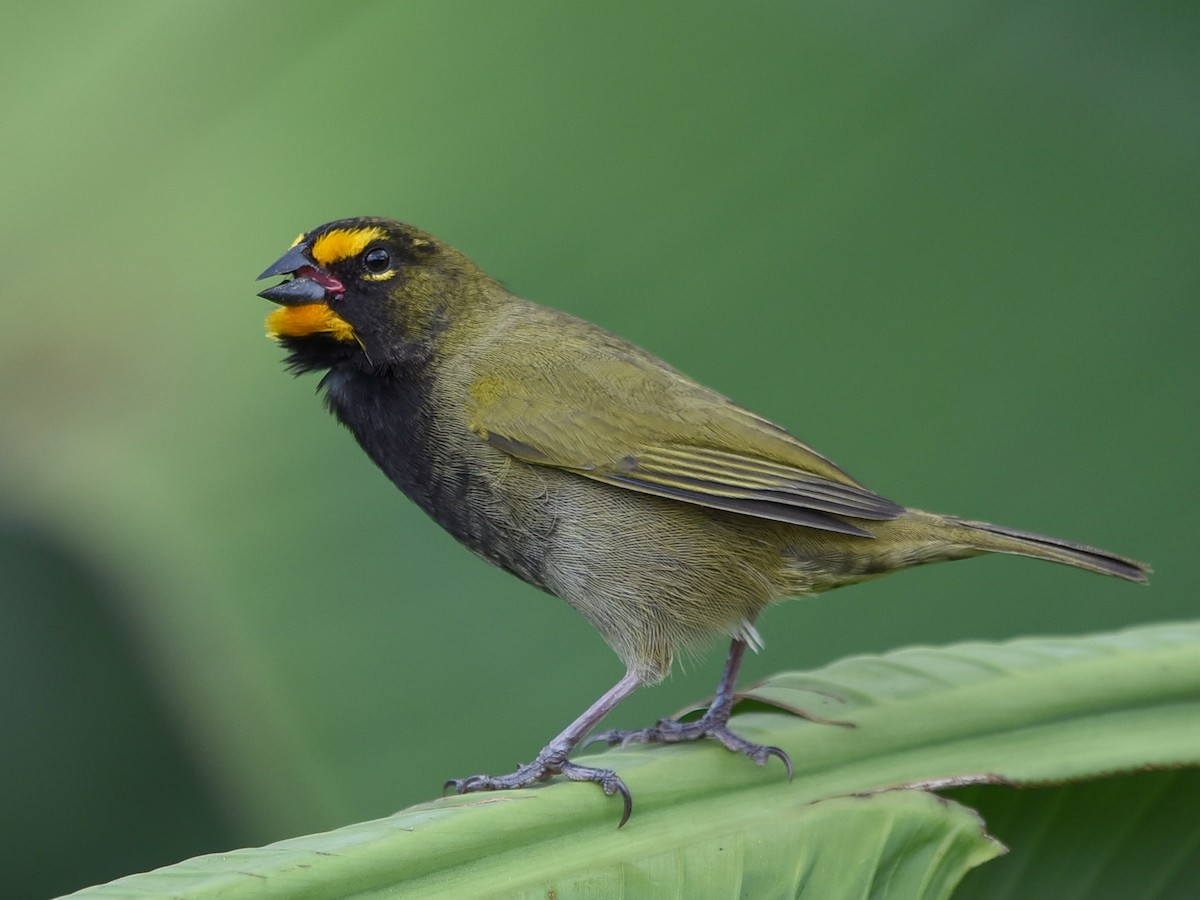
[[990, 538]]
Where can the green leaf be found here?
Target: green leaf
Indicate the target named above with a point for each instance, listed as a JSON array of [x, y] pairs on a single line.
[[1026, 711], [907, 842], [1132, 836], [706, 823]]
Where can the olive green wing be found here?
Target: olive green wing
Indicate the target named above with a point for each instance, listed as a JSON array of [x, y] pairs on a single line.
[[609, 411]]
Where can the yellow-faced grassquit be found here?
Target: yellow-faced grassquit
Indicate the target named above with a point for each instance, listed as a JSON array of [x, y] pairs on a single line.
[[663, 512]]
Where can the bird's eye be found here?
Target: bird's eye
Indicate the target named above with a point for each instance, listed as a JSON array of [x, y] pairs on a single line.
[[377, 260]]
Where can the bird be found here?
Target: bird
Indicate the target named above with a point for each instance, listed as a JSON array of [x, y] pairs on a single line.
[[663, 512]]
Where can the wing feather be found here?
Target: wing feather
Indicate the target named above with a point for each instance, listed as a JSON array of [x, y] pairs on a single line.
[[606, 410]]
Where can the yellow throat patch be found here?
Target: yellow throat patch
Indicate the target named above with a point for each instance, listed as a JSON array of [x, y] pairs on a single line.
[[308, 319]]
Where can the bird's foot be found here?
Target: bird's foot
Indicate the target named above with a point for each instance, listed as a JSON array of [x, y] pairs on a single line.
[[668, 731], [545, 767]]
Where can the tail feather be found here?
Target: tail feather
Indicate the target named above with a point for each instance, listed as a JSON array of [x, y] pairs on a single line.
[[1025, 543]]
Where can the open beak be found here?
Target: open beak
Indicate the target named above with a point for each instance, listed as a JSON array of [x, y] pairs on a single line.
[[309, 282]]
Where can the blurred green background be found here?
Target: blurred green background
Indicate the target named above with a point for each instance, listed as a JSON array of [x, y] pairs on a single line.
[[954, 246]]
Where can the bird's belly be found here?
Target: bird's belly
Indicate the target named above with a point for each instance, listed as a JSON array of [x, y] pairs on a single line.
[[653, 574]]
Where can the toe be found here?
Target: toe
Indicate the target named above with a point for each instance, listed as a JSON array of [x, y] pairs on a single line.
[[610, 738], [608, 780]]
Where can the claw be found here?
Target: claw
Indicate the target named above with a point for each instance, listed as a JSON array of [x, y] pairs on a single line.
[[626, 799], [604, 737], [782, 756], [467, 785], [609, 781]]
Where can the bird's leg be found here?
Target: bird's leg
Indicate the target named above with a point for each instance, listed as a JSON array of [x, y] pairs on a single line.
[[714, 723], [552, 760]]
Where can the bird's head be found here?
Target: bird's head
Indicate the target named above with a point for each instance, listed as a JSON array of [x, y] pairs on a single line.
[[370, 291]]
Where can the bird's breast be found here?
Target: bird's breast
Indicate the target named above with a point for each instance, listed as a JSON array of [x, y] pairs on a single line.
[[418, 437]]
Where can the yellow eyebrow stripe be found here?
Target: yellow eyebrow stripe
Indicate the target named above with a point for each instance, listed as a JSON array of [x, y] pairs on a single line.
[[342, 243]]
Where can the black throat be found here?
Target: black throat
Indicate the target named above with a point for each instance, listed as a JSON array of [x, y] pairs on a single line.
[[397, 419], [391, 414]]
